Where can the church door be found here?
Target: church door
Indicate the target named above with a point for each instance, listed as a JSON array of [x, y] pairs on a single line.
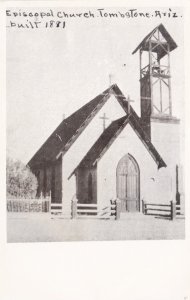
[[128, 184]]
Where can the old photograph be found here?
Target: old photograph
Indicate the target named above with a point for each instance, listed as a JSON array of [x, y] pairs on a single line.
[[95, 124]]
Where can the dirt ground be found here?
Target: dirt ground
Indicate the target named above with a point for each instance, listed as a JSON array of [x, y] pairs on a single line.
[[28, 227]]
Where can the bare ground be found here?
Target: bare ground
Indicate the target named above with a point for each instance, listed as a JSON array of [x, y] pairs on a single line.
[[28, 227]]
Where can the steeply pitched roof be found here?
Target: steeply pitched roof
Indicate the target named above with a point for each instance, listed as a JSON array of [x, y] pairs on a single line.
[[123, 102], [146, 141], [68, 130], [103, 142], [165, 34], [108, 137]]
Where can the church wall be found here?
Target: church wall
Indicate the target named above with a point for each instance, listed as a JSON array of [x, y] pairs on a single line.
[[40, 181], [94, 184], [45, 180], [83, 185], [49, 180], [91, 133], [155, 185], [58, 181], [82, 145], [39, 173], [165, 136]]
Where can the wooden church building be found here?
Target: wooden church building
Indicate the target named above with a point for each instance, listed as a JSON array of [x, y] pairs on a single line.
[[132, 158]]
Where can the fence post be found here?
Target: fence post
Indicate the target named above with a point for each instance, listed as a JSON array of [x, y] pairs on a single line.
[[48, 207], [143, 207], [74, 209], [118, 209], [173, 210]]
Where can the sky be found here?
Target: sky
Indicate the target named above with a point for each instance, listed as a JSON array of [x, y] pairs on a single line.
[[52, 72]]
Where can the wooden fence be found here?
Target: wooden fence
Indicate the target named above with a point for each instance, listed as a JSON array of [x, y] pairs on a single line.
[[94, 211], [28, 205], [56, 208], [170, 210]]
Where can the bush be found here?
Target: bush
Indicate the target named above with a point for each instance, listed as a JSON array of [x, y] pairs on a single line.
[[21, 182]]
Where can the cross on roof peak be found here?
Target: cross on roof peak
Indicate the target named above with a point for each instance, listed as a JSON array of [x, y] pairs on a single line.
[[128, 99], [104, 118]]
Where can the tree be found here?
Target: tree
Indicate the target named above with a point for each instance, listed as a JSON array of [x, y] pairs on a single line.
[[21, 182]]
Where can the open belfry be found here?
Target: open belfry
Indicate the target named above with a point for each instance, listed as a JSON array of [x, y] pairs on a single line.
[[135, 159], [155, 76], [156, 98]]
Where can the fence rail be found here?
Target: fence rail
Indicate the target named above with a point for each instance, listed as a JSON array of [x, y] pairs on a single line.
[[28, 205], [56, 208], [94, 211], [162, 210], [178, 209]]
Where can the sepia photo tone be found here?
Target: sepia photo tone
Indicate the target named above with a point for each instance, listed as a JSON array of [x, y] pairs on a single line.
[[95, 124]]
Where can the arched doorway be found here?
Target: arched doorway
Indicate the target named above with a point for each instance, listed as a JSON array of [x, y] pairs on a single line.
[[128, 184]]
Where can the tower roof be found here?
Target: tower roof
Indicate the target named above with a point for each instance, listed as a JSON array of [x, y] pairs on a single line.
[[166, 36]]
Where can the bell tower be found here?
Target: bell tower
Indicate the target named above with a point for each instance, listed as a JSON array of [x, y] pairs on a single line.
[[155, 77]]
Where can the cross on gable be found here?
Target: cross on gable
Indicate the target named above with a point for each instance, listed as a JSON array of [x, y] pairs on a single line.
[[104, 118], [128, 102], [126, 99]]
